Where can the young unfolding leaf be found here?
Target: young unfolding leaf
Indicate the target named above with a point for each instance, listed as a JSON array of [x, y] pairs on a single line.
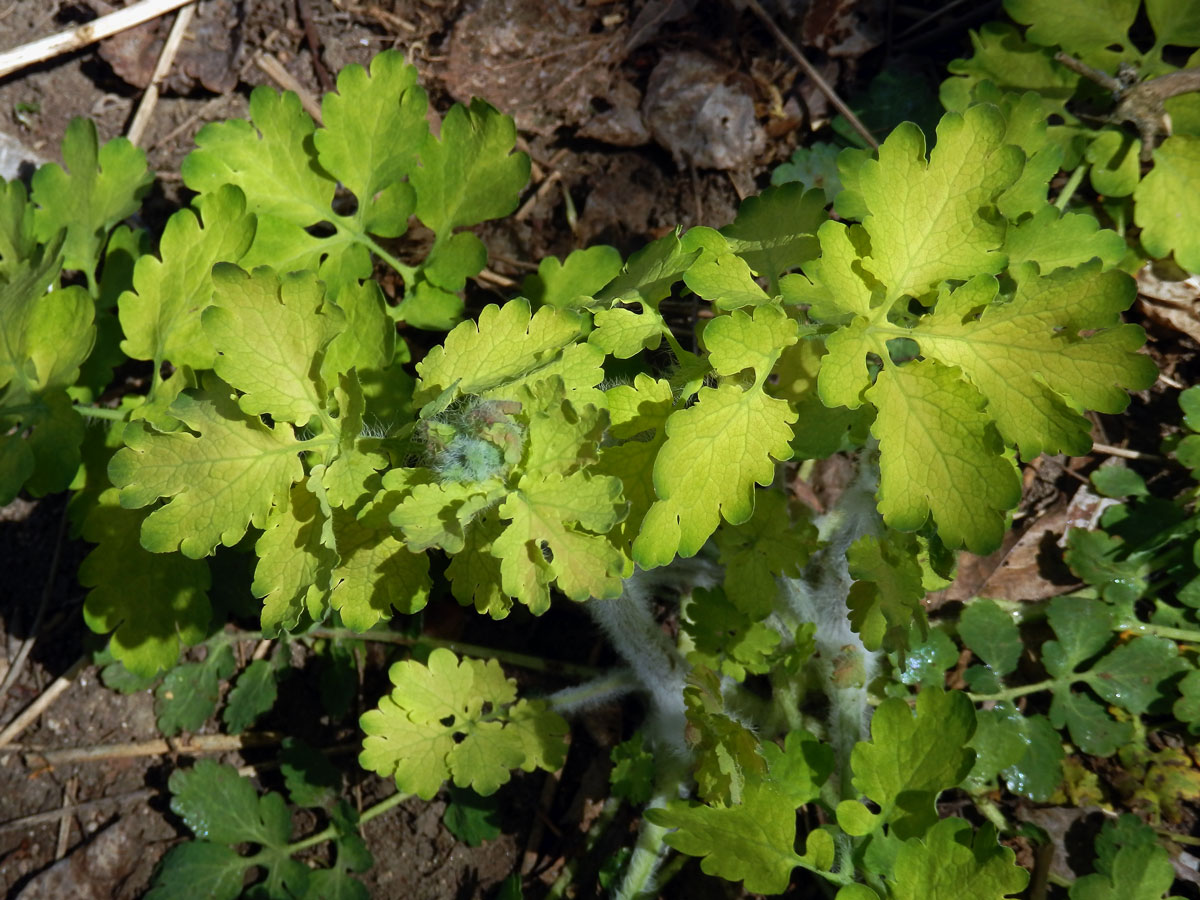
[[886, 596], [727, 639], [461, 720], [503, 345]]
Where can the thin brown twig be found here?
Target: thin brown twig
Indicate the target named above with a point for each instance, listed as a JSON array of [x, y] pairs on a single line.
[[1122, 452], [1141, 103], [28, 715], [281, 76], [196, 745], [166, 59], [83, 35], [811, 70], [53, 815], [64, 823]]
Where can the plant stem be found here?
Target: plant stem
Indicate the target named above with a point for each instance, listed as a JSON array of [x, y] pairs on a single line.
[[102, 412], [639, 881], [1072, 185], [1014, 692], [512, 658], [1164, 631], [330, 833]]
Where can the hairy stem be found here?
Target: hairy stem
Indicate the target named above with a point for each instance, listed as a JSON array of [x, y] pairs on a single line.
[[820, 597], [639, 882]]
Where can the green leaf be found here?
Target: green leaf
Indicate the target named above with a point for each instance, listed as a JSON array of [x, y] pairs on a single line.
[[886, 596], [950, 862], [1132, 675], [556, 513], [1005, 60], [1038, 772], [726, 280], [1187, 707], [932, 230], [992, 635], [471, 818], [1081, 27], [364, 573], [1083, 628], [1141, 872], [572, 283], [714, 454], [1052, 347], [1092, 729], [1119, 481], [222, 808], [101, 186], [470, 174], [312, 780], [1165, 207], [753, 554], [267, 158], [633, 770], [434, 726], [374, 128], [1114, 156], [188, 695], [220, 479], [726, 752], [773, 231], [151, 603], [1026, 750], [650, 273], [267, 331], [199, 868], [1174, 23], [737, 341], [47, 336], [935, 439], [161, 314], [814, 166], [925, 662], [1053, 240], [826, 429], [505, 344], [753, 842], [912, 757], [253, 694]]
